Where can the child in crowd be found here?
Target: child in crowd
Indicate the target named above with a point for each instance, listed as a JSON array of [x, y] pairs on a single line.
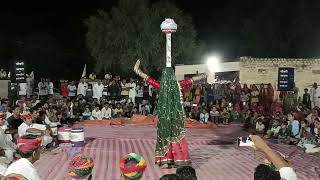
[[86, 114], [215, 115], [204, 116], [260, 128], [118, 111], [225, 116], [96, 113]]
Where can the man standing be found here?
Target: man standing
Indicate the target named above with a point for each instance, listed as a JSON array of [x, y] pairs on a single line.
[[97, 90], [306, 99], [29, 81], [315, 95], [82, 88], [50, 87], [132, 91], [43, 89], [72, 89]]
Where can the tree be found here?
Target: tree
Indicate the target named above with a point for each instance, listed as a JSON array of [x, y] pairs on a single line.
[[130, 31]]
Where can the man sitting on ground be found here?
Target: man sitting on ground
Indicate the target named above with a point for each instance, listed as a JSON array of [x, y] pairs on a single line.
[[28, 127], [29, 150], [6, 139]]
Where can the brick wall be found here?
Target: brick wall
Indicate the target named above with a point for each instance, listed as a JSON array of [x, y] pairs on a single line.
[[265, 70]]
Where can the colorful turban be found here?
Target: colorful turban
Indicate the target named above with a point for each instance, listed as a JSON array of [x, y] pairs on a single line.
[[80, 166], [28, 143], [14, 177], [25, 115], [132, 171]]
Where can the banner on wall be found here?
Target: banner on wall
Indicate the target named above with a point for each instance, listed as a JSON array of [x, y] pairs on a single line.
[[19, 72], [285, 79]]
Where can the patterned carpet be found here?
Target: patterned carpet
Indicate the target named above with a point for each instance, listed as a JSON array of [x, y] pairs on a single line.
[[213, 154]]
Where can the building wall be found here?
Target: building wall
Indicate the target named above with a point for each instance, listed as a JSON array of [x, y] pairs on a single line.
[[265, 70], [181, 70]]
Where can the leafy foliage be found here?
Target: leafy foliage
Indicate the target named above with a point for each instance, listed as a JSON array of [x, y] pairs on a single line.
[[131, 31]]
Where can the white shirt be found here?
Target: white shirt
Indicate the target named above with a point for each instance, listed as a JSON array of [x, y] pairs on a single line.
[[43, 89], [82, 89], [259, 127], [287, 173], [22, 129], [132, 91], [96, 115], [23, 167], [6, 139], [106, 113], [50, 88], [72, 89], [97, 90]]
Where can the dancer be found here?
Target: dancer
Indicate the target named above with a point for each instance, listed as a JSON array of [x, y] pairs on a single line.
[[172, 146]]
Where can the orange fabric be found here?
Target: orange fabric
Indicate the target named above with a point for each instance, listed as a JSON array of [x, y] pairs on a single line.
[[116, 121], [143, 120]]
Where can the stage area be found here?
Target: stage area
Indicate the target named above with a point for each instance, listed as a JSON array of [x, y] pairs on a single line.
[[213, 154]]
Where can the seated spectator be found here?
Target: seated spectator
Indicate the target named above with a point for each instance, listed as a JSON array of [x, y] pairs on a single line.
[[14, 121], [186, 173], [4, 162], [29, 150], [86, 114], [144, 111], [204, 116], [6, 139], [283, 134], [80, 167], [264, 172], [215, 115], [106, 112], [293, 126], [118, 111], [273, 132], [28, 127], [260, 128], [96, 113], [132, 166], [170, 177], [225, 115]]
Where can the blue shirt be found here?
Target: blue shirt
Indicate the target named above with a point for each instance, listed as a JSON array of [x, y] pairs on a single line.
[[295, 128]]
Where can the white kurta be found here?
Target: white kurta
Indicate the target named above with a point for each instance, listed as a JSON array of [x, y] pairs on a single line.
[[6, 143], [96, 115], [22, 130], [72, 90], [106, 113], [315, 94], [97, 91], [132, 92], [23, 167], [43, 89], [82, 89], [50, 88]]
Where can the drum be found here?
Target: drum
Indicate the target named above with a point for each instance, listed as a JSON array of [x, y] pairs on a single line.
[[77, 137], [54, 128], [64, 135]]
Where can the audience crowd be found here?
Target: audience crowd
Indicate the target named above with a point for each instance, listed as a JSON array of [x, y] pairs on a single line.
[[284, 118]]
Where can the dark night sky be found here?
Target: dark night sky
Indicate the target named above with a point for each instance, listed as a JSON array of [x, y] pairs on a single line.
[[63, 19], [277, 29]]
